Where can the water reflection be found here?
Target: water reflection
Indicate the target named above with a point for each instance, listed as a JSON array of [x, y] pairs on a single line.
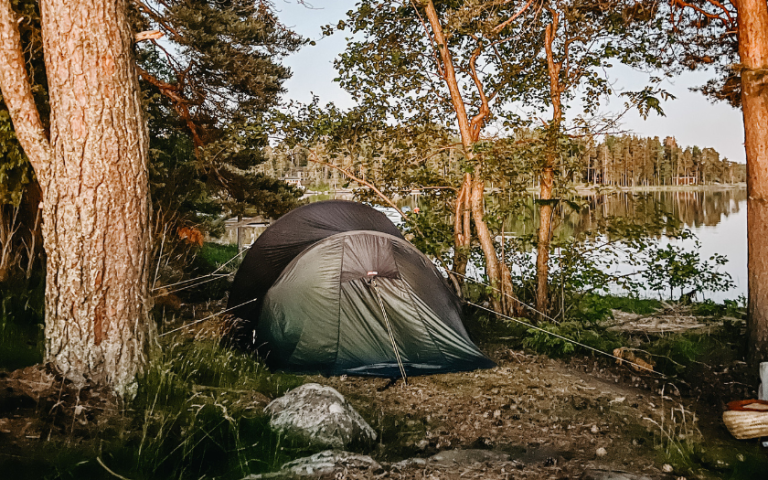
[[693, 208]]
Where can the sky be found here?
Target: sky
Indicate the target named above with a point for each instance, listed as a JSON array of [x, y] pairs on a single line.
[[690, 118]]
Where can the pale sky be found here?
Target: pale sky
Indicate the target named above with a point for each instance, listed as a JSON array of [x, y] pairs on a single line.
[[691, 118]]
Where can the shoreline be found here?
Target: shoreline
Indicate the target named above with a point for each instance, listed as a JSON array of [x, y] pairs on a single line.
[[717, 187], [583, 189]]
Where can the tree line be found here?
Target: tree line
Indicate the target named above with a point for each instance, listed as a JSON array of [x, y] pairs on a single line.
[[614, 160]]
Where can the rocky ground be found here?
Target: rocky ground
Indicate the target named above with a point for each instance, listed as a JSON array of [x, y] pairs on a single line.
[[546, 420]]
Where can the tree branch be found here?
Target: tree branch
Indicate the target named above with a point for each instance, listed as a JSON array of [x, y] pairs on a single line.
[[313, 158], [476, 125], [158, 18], [148, 35], [727, 21], [17, 93], [180, 104], [511, 19]]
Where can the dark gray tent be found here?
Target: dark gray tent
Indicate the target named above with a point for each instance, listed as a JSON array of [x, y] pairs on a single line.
[[334, 288]]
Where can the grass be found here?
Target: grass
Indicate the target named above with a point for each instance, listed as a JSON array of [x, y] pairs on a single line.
[[21, 323], [198, 414], [214, 255]]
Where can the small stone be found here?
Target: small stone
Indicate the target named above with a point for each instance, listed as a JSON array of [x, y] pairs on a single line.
[[595, 429], [667, 468], [601, 452]]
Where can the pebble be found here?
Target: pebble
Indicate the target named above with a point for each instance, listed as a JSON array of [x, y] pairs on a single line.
[[595, 429], [601, 452]]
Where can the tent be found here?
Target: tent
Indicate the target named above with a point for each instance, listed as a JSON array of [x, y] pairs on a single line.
[[332, 287]]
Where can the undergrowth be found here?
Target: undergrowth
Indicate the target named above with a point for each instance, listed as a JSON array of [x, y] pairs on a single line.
[[22, 303], [198, 414]]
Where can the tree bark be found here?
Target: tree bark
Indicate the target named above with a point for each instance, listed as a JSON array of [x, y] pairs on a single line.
[[473, 185], [461, 228], [93, 176], [547, 174], [545, 228], [753, 51]]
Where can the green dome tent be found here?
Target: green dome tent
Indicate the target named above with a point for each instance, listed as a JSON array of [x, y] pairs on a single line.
[[359, 300]]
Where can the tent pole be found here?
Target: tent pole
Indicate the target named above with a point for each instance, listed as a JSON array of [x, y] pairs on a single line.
[[389, 329]]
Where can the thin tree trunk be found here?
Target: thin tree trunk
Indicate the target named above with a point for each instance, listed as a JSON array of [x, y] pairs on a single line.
[[461, 234], [470, 133], [753, 50], [93, 176], [545, 228], [548, 175]]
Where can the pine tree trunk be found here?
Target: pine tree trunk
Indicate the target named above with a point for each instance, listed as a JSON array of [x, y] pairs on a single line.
[[753, 50], [95, 196]]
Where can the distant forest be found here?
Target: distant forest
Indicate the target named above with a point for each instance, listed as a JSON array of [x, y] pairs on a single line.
[[624, 161], [630, 161]]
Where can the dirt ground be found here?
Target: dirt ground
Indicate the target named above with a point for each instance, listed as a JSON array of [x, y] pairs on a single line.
[[550, 419]]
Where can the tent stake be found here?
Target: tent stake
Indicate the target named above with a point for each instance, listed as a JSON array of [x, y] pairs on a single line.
[[389, 329]]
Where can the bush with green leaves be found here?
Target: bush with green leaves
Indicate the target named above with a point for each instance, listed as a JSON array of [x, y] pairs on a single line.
[[673, 268]]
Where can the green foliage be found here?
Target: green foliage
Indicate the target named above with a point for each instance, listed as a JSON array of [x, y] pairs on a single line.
[[215, 255], [642, 306], [729, 308], [196, 415], [675, 268], [206, 98], [551, 345]]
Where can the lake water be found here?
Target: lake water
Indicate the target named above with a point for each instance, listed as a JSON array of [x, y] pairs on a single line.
[[718, 218]]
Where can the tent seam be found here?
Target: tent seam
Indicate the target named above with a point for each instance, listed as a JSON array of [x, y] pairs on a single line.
[[338, 299], [418, 313]]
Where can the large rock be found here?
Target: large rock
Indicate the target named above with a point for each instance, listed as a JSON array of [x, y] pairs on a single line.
[[320, 464], [320, 416]]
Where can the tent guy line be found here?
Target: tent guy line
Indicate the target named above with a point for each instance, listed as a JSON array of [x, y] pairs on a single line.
[[389, 329], [530, 325], [206, 318], [533, 309], [204, 276], [216, 277]]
